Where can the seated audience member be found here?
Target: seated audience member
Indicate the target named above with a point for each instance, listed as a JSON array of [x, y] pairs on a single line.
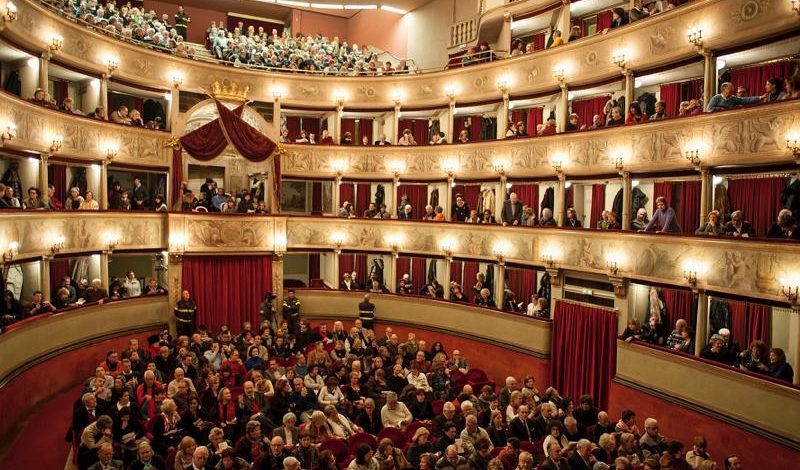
[[95, 292], [651, 442], [726, 99], [608, 221], [661, 111], [664, 219], [485, 299], [512, 130], [407, 138], [635, 114], [394, 413], [439, 139], [698, 454], [714, 350], [713, 226], [521, 132], [557, 40], [774, 90], [617, 117], [89, 202], [572, 123], [738, 226], [473, 434], [597, 122], [326, 139], [778, 368], [641, 220], [38, 305], [120, 116], [633, 331], [382, 141], [784, 227], [34, 200], [547, 219], [549, 126], [572, 219], [554, 461], [40, 97], [463, 137], [529, 218], [488, 218], [754, 358]]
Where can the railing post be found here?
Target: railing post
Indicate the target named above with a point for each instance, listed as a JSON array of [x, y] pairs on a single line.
[[709, 76]]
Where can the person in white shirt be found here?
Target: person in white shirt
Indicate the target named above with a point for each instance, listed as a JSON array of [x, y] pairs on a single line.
[[417, 379], [472, 433], [395, 414], [133, 288]]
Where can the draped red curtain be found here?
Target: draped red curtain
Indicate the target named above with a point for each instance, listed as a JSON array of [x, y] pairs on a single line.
[[523, 283], [176, 195], [583, 357], [518, 115], [598, 204], [248, 141], [528, 194], [749, 322], [604, 20], [227, 289], [313, 268], [538, 41], [678, 305], [534, 119], [670, 94], [311, 125], [419, 272], [347, 192], [758, 198], [208, 141], [570, 197], [58, 269], [365, 129], [755, 77], [417, 197], [316, 198], [418, 127], [662, 189], [363, 197], [349, 262], [457, 273], [293, 126], [471, 269], [470, 193], [692, 89], [689, 213], [348, 125], [587, 108], [57, 176], [402, 266]]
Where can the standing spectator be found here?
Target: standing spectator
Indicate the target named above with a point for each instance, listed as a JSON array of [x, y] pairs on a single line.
[[291, 311], [664, 219], [512, 211], [182, 21]]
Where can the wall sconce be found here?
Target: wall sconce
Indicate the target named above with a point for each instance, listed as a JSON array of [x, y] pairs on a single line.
[[277, 93], [279, 244], [11, 252], [394, 240], [619, 59], [559, 74], [111, 239], [692, 156], [56, 144], [691, 271], [9, 14], [396, 98], [450, 91], [500, 251], [177, 242], [57, 244], [7, 132], [549, 255], [499, 167], [446, 246], [449, 167], [177, 80], [56, 43], [339, 98], [502, 83], [112, 64], [696, 37], [396, 167], [338, 239], [111, 150], [790, 288], [339, 166], [612, 263], [793, 143], [557, 163], [619, 163]]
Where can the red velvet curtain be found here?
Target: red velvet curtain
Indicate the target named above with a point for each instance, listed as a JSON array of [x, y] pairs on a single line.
[[570, 197], [248, 141], [363, 197], [598, 204], [417, 197], [758, 198], [316, 198], [419, 273], [227, 289], [311, 125], [583, 357], [470, 193], [534, 118], [678, 305], [604, 20], [57, 176], [662, 189], [208, 141], [402, 266], [293, 126], [313, 268], [58, 269], [518, 115], [418, 127], [689, 212], [528, 193], [176, 195], [587, 108], [457, 273], [755, 77], [538, 41], [349, 262], [349, 125], [523, 283], [471, 269], [670, 94], [692, 89], [365, 129], [347, 193], [749, 322]]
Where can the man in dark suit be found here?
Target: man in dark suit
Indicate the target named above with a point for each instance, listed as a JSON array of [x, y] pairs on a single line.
[[85, 413], [522, 427], [105, 454], [582, 458], [512, 211], [382, 140], [273, 460], [554, 461], [139, 194], [548, 412]]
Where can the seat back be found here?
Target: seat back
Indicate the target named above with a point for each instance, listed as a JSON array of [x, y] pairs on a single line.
[[396, 435], [337, 446], [361, 438]]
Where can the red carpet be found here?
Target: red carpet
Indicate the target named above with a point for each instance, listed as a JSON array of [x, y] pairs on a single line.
[[40, 443]]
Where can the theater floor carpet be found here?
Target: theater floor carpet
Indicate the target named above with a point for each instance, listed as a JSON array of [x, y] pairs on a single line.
[[39, 444]]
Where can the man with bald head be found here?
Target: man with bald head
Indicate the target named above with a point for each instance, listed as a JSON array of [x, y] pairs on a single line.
[[105, 455], [273, 460], [199, 459], [582, 458], [451, 460], [512, 211], [603, 426], [180, 377]]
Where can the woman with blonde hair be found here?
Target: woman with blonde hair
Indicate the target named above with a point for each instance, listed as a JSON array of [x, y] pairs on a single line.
[[89, 203], [419, 445], [185, 451]]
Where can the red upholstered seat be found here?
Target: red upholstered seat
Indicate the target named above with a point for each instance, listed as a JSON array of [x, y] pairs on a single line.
[[437, 406], [530, 447], [396, 435], [361, 438], [476, 375], [496, 451], [412, 428], [337, 446], [170, 459]]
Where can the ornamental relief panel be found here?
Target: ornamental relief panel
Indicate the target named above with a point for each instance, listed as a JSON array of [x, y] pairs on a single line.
[[654, 41], [232, 233]]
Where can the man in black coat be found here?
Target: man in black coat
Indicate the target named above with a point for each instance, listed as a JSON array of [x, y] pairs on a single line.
[[512, 211], [273, 460], [522, 427]]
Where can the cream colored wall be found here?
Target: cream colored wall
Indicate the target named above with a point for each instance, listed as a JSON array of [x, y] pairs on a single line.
[[431, 22], [327, 269]]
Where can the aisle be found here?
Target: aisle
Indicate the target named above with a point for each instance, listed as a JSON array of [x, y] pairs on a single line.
[[40, 443]]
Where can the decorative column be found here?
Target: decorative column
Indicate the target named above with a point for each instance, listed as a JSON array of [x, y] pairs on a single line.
[[451, 113], [103, 199], [559, 199], [621, 304], [628, 91], [104, 95], [706, 194], [104, 267], [28, 77], [173, 110], [44, 181], [395, 124], [336, 133], [44, 274], [563, 23], [447, 271], [44, 62], [502, 116], [627, 200], [709, 75], [277, 284], [499, 285], [175, 283], [562, 113], [276, 114], [389, 272], [448, 200], [701, 329]]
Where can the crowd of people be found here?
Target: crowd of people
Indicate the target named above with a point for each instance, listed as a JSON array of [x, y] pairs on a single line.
[[122, 115], [289, 396]]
